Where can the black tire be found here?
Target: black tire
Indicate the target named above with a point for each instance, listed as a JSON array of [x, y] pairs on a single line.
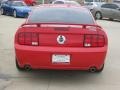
[[101, 69], [2, 12], [33, 4], [111, 19], [15, 13], [18, 67], [98, 15]]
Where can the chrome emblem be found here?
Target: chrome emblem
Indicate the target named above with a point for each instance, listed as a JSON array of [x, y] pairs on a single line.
[[61, 39]]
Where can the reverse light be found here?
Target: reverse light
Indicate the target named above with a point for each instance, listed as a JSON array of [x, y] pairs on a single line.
[[87, 44], [35, 43]]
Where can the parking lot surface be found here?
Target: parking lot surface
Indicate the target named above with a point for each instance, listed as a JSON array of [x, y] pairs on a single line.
[[12, 79]]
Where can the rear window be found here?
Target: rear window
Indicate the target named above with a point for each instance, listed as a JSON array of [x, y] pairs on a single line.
[[61, 15]]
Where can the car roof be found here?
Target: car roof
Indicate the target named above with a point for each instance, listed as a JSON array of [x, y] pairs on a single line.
[[60, 0], [14, 1], [117, 4], [113, 3], [81, 8], [60, 6], [17, 1], [65, 1], [74, 2]]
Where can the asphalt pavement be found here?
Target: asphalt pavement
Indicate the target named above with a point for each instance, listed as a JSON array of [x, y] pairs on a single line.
[[12, 79]]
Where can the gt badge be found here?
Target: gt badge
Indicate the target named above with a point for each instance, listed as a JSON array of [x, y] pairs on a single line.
[[61, 39]]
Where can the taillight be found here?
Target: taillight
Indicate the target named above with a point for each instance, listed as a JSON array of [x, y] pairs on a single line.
[[28, 38], [94, 41]]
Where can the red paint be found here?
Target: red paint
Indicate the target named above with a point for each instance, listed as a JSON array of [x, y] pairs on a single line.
[[30, 2], [39, 56]]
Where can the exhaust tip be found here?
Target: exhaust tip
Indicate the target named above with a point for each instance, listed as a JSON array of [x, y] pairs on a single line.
[[92, 69], [27, 67]]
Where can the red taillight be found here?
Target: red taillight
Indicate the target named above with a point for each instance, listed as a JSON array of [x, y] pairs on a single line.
[[94, 41], [28, 38]]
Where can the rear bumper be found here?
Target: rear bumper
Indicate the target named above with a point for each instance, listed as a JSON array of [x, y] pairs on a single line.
[[41, 57]]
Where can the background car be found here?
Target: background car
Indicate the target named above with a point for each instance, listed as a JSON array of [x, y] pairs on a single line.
[[30, 2], [2, 2], [91, 5], [108, 10], [66, 2], [88, 1], [117, 1], [15, 8], [62, 37]]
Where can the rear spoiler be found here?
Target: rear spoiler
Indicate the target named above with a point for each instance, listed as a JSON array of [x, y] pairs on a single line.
[[82, 26]]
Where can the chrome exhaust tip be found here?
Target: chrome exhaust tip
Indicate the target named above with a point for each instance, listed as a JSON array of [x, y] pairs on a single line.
[[92, 69], [27, 67]]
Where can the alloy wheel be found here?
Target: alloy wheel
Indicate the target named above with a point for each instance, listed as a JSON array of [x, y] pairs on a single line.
[[15, 13], [1, 11], [98, 15]]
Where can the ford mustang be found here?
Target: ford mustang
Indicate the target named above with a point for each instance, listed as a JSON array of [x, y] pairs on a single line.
[[60, 37], [15, 8]]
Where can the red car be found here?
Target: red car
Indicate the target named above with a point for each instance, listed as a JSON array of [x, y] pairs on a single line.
[[60, 37], [30, 2]]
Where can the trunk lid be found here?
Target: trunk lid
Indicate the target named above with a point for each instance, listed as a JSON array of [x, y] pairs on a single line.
[[60, 35]]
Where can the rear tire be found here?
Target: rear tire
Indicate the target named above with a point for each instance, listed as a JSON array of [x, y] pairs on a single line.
[[98, 15], [111, 19], [15, 13], [18, 67], [2, 11], [33, 4]]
